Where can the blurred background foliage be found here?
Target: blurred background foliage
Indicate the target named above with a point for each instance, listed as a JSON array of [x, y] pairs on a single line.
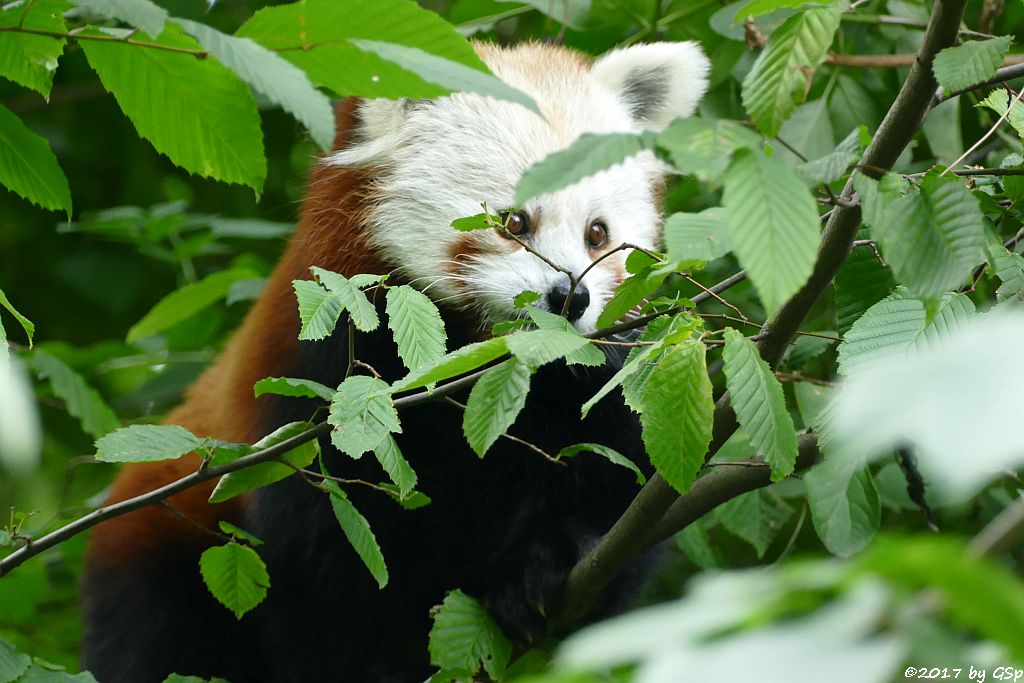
[[143, 228]]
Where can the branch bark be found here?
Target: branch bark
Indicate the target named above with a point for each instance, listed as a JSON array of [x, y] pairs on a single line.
[[629, 535]]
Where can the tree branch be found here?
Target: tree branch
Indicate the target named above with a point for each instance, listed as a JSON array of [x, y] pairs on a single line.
[[1006, 73], [629, 535]]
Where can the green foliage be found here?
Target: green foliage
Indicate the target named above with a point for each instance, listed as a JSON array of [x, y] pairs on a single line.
[[757, 517], [397, 467], [318, 310], [145, 443], [81, 400], [495, 402], [363, 415], [350, 297], [697, 236], [416, 325], [31, 60], [465, 639], [357, 531], [147, 15], [469, 357], [844, 505], [609, 454], [290, 386], [12, 663], [264, 474], [999, 102], [959, 67], [235, 575], [29, 167], [26, 325]]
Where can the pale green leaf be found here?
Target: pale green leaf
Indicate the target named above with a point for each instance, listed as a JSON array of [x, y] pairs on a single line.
[[773, 224], [1008, 266], [235, 576], [27, 59], [777, 82], [589, 354], [973, 62], [677, 414], [245, 290], [844, 504], [363, 415], [183, 303], [759, 403], [318, 310], [465, 638], [291, 386], [632, 292], [12, 663], [144, 443], [756, 8], [28, 166], [609, 454], [462, 360], [46, 673], [999, 102], [704, 148], [932, 239], [417, 326], [143, 14], [195, 111], [448, 74], [357, 531], [834, 165], [494, 403], [315, 36], [398, 468], [757, 517], [697, 236], [860, 283], [80, 400], [26, 324], [271, 75], [539, 347], [364, 315], [266, 473], [631, 366], [589, 154], [238, 533]]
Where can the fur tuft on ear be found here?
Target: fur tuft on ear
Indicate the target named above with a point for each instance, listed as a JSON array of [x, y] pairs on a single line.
[[658, 81], [377, 130]]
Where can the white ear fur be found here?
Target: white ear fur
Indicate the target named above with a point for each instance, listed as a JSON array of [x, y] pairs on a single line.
[[658, 81], [380, 130]]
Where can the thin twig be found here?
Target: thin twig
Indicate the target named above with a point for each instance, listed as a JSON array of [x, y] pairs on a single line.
[[987, 135], [59, 35]]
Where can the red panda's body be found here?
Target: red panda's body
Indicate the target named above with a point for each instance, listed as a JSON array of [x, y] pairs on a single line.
[[505, 528]]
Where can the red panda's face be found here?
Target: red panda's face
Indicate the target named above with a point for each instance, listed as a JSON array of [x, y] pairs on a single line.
[[440, 160]]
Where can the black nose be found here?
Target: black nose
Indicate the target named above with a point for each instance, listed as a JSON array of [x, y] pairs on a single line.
[[577, 304]]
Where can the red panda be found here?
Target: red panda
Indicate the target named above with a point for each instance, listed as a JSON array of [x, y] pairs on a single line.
[[506, 528]]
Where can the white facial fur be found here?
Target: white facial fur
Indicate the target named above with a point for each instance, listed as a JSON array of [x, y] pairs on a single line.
[[436, 161]]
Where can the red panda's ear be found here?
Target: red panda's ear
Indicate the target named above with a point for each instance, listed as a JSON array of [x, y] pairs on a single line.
[[367, 131], [658, 82]]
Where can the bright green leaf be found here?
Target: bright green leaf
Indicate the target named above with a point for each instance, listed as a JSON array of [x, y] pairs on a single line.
[[266, 473], [697, 236], [80, 400], [417, 326], [773, 224], [609, 454], [395, 464], [704, 148], [462, 360], [195, 111], [26, 324], [183, 303], [143, 14], [357, 531], [1008, 266], [318, 310], [973, 62], [31, 60], [777, 81], [677, 414], [464, 638], [588, 354], [756, 8], [291, 386], [494, 403], [28, 166], [633, 291], [144, 443], [236, 576], [352, 299], [760, 404], [363, 415], [539, 347], [238, 533], [999, 102], [479, 221]]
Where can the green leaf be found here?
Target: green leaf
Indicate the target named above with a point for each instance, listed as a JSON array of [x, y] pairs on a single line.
[[588, 354], [363, 415], [677, 414], [145, 443], [241, 481], [932, 239], [705, 148], [31, 60], [364, 315], [44, 672], [26, 324], [631, 366], [757, 517], [697, 236], [777, 82], [291, 386], [1008, 266], [143, 14], [860, 283], [760, 404], [12, 663], [318, 310], [80, 400], [494, 403], [525, 298], [633, 290], [589, 154], [195, 111], [238, 533], [464, 637], [999, 102], [773, 224], [756, 8], [183, 303], [357, 531], [28, 166], [245, 290], [462, 360], [448, 74], [176, 678], [845, 509], [609, 454], [271, 75], [395, 464], [539, 347], [962, 66], [834, 165], [236, 576], [479, 221], [315, 36], [417, 326]]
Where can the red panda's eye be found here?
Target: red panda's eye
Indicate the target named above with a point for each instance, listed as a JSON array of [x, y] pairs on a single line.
[[597, 234], [516, 223]]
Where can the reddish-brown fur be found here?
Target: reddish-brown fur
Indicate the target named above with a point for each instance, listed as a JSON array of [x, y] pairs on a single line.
[[221, 403]]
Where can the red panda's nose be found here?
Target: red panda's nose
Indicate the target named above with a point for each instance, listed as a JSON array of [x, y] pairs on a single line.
[[577, 303]]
